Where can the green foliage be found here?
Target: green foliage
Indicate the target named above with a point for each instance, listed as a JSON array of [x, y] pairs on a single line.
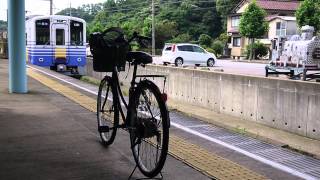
[[175, 21], [181, 38], [205, 40], [86, 12], [224, 7], [309, 14], [165, 30], [259, 50], [224, 38], [252, 22], [97, 27], [217, 47], [210, 50]]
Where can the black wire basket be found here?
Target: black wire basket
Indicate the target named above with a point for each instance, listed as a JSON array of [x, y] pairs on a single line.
[[109, 50]]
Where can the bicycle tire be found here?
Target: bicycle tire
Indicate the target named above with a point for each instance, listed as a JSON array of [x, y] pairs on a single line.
[[146, 128], [107, 111]]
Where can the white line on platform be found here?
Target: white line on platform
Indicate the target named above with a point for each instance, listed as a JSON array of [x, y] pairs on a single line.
[[200, 125], [244, 152], [73, 84], [249, 154]]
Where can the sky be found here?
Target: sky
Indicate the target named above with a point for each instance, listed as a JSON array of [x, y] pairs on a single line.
[[42, 7]]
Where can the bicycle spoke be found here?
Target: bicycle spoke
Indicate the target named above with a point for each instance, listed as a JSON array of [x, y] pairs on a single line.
[[149, 122]]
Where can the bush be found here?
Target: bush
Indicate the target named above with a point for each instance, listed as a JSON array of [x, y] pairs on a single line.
[[210, 50], [205, 40], [217, 47], [259, 50]]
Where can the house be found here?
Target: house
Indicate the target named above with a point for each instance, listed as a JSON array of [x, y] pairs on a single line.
[[3, 44], [281, 18]]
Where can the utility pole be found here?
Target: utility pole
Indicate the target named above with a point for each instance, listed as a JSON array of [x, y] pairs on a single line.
[[153, 30], [70, 9], [51, 7]]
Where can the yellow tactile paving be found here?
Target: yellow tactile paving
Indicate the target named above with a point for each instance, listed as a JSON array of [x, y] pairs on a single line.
[[206, 162]]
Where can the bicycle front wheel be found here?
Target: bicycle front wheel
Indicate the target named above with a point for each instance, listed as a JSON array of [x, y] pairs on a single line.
[[107, 111], [150, 129]]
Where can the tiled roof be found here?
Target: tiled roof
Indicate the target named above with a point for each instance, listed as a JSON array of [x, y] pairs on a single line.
[[278, 5]]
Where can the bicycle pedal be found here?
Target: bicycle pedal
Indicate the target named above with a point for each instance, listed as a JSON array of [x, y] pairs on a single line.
[[103, 129]]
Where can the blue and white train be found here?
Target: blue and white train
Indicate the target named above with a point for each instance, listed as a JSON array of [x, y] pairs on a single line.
[[57, 42]]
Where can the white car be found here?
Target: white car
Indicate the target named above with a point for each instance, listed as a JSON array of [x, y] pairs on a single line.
[[183, 53]]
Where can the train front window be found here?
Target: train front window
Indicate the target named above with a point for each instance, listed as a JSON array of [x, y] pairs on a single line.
[[43, 32], [76, 36], [60, 37]]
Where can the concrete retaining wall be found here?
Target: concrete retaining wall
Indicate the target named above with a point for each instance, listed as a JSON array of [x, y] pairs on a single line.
[[284, 104]]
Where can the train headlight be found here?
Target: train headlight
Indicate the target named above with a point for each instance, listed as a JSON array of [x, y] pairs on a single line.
[[79, 59], [40, 59]]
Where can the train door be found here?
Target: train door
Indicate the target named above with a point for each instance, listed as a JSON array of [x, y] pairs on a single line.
[[60, 37]]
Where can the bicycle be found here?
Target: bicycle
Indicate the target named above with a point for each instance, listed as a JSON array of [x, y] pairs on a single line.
[[147, 117]]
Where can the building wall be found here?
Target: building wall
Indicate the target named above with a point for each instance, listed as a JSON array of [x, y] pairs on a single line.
[[291, 28], [228, 23], [272, 28], [243, 8], [237, 52]]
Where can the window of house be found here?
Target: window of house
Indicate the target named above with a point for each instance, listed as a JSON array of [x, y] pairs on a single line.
[[236, 41], [235, 20], [281, 28]]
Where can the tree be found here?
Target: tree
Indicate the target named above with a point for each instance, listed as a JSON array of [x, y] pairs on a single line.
[[308, 13], [217, 47], [224, 7], [253, 24], [205, 40], [165, 30]]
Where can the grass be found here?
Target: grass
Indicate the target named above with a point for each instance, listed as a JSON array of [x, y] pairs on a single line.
[[90, 80], [96, 82]]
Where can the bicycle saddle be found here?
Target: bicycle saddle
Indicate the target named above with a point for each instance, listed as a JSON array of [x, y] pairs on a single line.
[[139, 57]]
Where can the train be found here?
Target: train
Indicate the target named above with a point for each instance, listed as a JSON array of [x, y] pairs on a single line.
[[57, 42], [297, 56]]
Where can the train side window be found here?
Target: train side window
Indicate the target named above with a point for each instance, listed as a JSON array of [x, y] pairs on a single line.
[[60, 37], [43, 32], [76, 33]]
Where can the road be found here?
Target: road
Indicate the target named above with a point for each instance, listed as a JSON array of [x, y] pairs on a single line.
[[229, 66]]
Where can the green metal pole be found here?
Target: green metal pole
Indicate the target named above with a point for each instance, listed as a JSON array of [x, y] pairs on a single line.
[[17, 47]]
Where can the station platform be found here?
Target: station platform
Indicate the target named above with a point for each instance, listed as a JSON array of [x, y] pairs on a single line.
[[51, 133], [43, 135]]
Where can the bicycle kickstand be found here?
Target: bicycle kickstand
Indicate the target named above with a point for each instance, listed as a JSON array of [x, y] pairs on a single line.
[[129, 178]]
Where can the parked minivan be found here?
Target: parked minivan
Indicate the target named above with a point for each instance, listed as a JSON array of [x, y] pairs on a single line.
[[184, 53]]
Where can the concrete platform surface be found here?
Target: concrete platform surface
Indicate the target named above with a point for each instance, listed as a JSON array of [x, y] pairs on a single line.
[[46, 136]]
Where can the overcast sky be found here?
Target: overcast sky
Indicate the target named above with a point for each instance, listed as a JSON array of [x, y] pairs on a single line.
[[42, 7]]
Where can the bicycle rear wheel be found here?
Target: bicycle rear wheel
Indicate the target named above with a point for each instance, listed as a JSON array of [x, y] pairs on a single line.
[[150, 129], [107, 112]]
